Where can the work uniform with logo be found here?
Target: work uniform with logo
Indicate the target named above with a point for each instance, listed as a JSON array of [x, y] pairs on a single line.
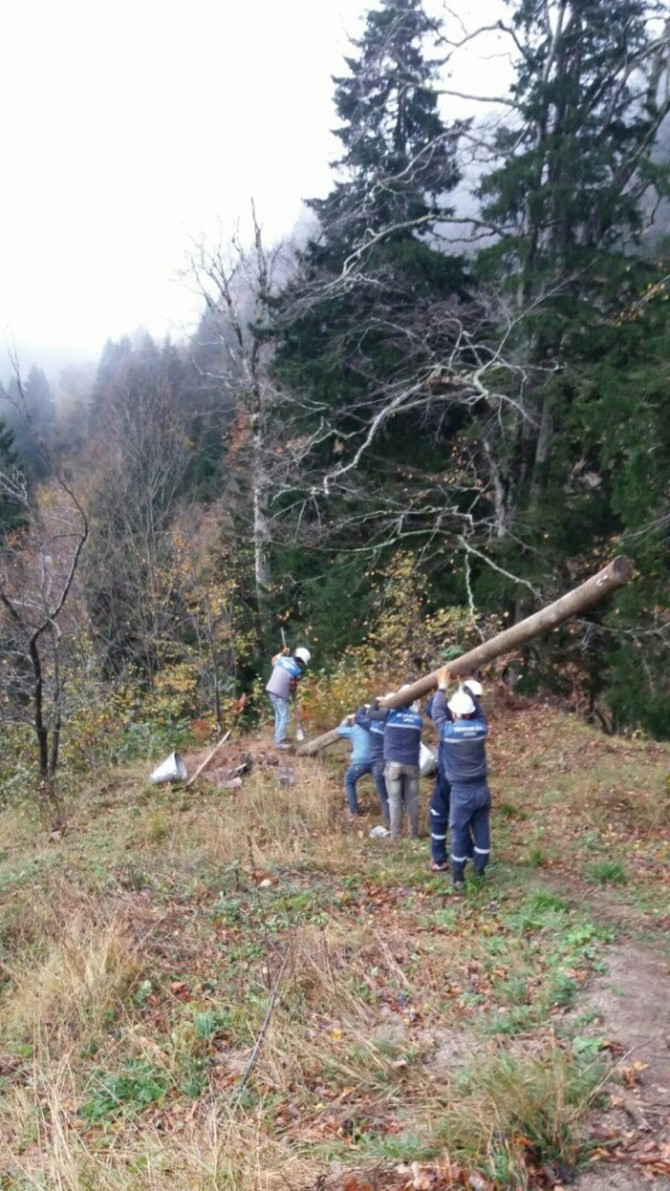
[[439, 806], [465, 767]]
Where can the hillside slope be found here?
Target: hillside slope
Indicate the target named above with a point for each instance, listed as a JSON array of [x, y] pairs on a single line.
[[214, 987]]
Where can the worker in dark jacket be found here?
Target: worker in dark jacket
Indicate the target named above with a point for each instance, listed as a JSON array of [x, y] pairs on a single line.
[[441, 798], [439, 808], [375, 728], [402, 741], [464, 728]]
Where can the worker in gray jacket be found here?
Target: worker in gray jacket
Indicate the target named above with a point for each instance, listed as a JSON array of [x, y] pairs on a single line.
[[464, 728], [287, 670]]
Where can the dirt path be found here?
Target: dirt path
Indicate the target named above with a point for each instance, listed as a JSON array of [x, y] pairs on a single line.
[[632, 1004]]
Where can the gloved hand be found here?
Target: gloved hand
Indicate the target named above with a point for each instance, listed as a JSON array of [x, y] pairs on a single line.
[[443, 677], [473, 686]]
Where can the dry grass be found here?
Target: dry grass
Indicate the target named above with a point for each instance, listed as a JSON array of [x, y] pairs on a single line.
[[213, 1148], [66, 993], [267, 819], [570, 794], [517, 1106], [278, 818], [323, 1031]]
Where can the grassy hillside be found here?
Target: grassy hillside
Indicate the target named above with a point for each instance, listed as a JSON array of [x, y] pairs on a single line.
[[212, 988]]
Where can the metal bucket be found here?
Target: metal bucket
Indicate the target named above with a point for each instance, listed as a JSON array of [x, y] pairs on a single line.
[[427, 760], [172, 769]]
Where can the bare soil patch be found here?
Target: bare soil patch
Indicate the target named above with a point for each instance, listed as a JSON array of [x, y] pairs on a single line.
[[233, 764], [632, 1004]]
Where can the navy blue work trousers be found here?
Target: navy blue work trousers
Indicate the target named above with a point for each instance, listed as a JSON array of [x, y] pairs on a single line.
[[469, 821], [379, 779], [439, 817]]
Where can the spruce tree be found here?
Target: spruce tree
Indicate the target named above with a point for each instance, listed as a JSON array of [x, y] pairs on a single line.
[[569, 201], [12, 514], [575, 189], [620, 418], [399, 158], [374, 311], [31, 417]]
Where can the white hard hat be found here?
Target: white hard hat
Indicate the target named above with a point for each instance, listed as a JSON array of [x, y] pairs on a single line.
[[474, 687], [303, 654], [461, 703]]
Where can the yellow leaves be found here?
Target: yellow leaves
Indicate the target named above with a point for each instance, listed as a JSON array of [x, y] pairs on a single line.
[[629, 1074], [178, 680], [403, 640]]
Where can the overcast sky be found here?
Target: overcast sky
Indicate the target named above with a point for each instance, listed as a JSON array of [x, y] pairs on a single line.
[[130, 130]]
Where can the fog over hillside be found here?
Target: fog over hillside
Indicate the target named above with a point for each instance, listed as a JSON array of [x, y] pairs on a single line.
[[50, 358]]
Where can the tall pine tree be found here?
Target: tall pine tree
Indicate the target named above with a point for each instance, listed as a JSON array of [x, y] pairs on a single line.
[[570, 201], [12, 513], [376, 309], [399, 162]]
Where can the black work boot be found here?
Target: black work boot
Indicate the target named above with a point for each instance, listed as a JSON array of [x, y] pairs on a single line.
[[458, 874]]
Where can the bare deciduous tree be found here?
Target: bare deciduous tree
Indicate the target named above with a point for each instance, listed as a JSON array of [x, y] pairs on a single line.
[[38, 569], [238, 283], [137, 459]]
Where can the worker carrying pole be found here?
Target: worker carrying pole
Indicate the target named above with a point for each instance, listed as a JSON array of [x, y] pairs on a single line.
[[616, 574]]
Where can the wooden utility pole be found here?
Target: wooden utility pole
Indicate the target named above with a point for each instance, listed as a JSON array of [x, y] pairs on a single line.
[[614, 575]]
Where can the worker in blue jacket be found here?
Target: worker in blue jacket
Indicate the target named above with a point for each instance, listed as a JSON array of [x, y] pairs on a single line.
[[441, 798], [375, 730], [464, 728], [402, 741], [439, 807], [360, 761]]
